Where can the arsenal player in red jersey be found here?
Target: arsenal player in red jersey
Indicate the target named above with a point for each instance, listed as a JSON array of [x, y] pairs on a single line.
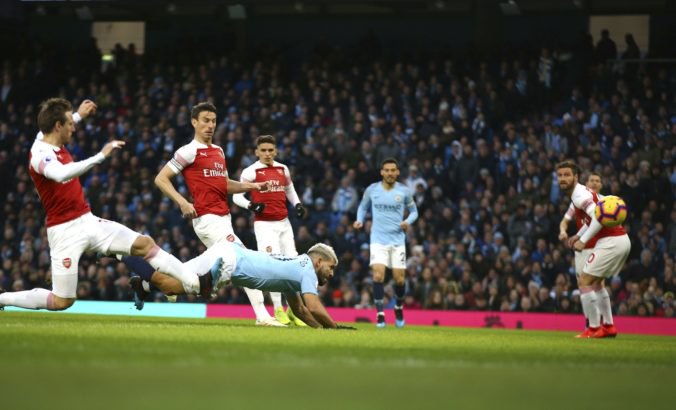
[[273, 230], [71, 227], [203, 166]]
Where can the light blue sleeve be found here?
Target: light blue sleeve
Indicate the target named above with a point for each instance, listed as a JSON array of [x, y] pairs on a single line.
[[308, 281], [412, 208], [364, 205]]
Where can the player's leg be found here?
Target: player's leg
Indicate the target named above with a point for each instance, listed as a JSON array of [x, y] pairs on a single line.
[[580, 258], [114, 238], [67, 242], [616, 250], [267, 240], [380, 260], [591, 280], [398, 263], [287, 246]]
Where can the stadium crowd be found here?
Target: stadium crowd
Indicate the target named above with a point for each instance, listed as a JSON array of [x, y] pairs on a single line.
[[477, 140]]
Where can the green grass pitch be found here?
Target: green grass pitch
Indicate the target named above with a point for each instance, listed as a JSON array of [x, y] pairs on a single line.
[[59, 361]]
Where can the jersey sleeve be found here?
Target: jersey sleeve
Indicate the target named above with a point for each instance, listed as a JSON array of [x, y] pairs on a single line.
[[308, 281], [183, 158], [583, 200], [364, 205], [291, 194], [247, 175], [412, 208], [45, 162]]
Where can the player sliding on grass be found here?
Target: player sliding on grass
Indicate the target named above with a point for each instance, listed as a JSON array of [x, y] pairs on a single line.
[[226, 263]]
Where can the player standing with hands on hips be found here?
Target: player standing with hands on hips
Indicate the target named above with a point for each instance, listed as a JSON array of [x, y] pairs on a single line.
[[387, 201]]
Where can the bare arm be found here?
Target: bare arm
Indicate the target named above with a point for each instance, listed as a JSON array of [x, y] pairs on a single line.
[[163, 182], [298, 308], [314, 305]]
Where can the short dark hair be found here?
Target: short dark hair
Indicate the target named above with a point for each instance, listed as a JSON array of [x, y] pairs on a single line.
[[569, 164], [203, 106], [598, 174], [52, 111], [389, 161], [266, 139]]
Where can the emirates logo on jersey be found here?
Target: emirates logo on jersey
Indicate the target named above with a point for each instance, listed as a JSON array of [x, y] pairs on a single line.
[[67, 262]]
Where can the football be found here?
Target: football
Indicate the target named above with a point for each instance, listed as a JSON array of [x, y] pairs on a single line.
[[611, 211]]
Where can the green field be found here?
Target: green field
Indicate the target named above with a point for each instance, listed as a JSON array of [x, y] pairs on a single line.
[[67, 361]]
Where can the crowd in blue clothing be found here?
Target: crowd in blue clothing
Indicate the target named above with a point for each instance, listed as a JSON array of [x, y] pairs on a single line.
[[477, 140]]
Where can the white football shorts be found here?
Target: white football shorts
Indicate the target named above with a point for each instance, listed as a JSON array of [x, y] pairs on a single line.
[[392, 256], [608, 256], [67, 242]]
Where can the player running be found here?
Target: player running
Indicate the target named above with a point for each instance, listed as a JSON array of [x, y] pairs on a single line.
[[273, 230], [605, 259], [387, 201]]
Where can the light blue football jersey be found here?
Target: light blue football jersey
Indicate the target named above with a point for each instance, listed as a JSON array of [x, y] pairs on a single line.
[[387, 210], [274, 273]]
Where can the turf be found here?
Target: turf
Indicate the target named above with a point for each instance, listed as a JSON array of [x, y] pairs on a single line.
[[111, 362]]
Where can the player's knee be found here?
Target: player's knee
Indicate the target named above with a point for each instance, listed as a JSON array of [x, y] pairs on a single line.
[[142, 245], [61, 303]]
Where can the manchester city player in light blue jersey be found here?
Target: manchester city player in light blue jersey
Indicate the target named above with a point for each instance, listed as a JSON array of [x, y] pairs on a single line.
[[388, 200], [296, 276]]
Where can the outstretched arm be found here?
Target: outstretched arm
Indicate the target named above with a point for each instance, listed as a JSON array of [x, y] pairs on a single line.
[[315, 306], [298, 308]]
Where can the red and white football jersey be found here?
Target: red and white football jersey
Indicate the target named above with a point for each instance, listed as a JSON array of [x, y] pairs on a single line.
[[584, 200], [275, 198], [205, 172], [63, 201]]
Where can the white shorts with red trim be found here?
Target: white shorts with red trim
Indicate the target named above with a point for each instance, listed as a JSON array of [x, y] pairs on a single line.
[[275, 237], [212, 229], [608, 256], [67, 242]]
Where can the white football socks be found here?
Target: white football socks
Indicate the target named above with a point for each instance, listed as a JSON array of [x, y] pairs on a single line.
[[605, 310], [276, 299], [257, 301], [167, 263], [590, 306], [28, 299]]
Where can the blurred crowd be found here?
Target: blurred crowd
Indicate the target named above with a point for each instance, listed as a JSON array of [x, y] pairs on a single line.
[[477, 139]]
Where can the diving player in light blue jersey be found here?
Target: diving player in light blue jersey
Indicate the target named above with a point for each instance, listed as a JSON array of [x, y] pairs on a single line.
[[387, 200], [296, 276]]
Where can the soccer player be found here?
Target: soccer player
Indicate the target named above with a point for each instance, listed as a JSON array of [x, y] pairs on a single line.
[[297, 277], [606, 258], [71, 227], [273, 230], [595, 184], [387, 201], [206, 175]]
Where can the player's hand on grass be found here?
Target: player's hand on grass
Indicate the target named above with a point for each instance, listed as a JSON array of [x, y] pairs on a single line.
[[343, 327], [188, 210], [87, 108], [256, 207], [300, 210], [112, 146]]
